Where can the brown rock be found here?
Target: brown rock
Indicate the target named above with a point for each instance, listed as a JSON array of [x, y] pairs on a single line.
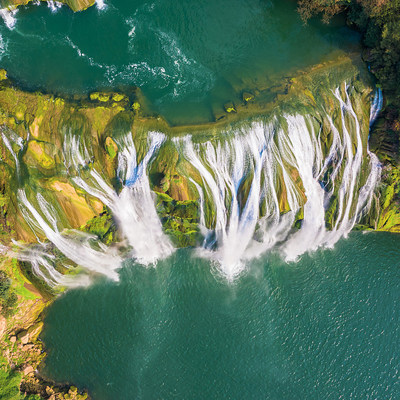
[[28, 370], [23, 337]]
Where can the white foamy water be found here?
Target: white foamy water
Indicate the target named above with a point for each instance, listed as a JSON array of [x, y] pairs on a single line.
[[103, 261], [133, 208], [376, 105], [12, 141], [54, 5], [282, 165], [101, 5], [8, 17]]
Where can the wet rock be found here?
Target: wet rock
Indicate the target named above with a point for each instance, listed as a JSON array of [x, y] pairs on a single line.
[[229, 107], [247, 96]]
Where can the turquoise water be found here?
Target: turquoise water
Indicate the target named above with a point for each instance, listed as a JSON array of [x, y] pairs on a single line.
[[189, 57], [327, 327]]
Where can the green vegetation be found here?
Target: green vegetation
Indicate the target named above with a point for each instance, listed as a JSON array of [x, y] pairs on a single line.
[[10, 381], [379, 23], [179, 219], [103, 226], [8, 297]]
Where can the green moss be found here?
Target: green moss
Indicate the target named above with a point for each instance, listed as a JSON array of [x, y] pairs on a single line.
[[97, 96], [388, 196], [230, 107], [8, 297], [38, 151], [9, 383], [179, 220], [19, 282], [118, 97], [331, 213], [102, 226], [247, 96], [299, 218], [136, 106], [111, 148]]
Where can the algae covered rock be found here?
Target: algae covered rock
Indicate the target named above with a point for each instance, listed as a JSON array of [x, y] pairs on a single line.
[[230, 107], [3, 74], [102, 97], [247, 96], [40, 154], [102, 226], [111, 147], [179, 220]]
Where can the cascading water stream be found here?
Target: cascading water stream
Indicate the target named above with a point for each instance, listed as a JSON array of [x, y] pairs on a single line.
[[273, 158], [9, 138], [267, 185], [104, 261], [133, 208], [376, 105]]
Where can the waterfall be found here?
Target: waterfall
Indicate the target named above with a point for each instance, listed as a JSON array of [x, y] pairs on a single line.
[[10, 138], [376, 106], [104, 261], [133, 208], [284, 163], [292, 184]]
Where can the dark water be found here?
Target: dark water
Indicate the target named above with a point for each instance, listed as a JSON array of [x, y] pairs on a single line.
[[188, 56], [327, 327]]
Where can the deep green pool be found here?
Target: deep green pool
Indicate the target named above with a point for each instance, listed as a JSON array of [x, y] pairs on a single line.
[[327, 327], [189, 57]]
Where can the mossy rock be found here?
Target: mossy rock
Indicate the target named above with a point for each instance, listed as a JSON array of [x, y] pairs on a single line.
[[103, 227], [98, 96], [117, 97], [111, 147], [3, 74], [247, 96], [41, 153], [230, 107]]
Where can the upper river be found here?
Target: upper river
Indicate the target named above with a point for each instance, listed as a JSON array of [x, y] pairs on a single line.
[[189, 57]]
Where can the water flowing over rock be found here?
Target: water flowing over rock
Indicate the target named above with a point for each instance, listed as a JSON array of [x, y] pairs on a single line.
[[292, 182], [133, 208], [257, 181]]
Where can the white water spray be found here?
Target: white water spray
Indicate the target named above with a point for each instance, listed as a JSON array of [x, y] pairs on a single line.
[[133, 208], [100, 4], [8, 16], [54, 5], [282, 165], [103, 261], [376, 105]]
